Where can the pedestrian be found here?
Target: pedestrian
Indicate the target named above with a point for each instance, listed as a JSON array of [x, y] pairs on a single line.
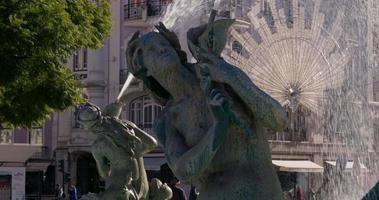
[[193, 193], [56, 191], [177, 192], [299, 193], [287, 195], [59, 195], [168, 177], [73, 193]]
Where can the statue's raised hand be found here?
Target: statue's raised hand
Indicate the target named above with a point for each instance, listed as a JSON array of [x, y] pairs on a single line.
[[212, 70], [170, 35], [217, 101], [219, 105], [173, 40]]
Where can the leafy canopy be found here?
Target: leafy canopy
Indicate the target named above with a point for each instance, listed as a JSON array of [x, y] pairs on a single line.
[[36, 38]]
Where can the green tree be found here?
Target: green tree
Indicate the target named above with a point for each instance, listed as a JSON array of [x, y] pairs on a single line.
[[36, 38]]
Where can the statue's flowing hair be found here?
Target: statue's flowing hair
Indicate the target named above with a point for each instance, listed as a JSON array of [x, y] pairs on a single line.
[[136, 67], [170, 36], [131, 53], [135, 61]]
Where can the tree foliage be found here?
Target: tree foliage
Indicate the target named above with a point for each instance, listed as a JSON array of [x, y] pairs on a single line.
[[36, 38]]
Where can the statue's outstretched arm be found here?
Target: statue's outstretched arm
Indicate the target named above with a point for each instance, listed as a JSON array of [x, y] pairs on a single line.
[[147, 144], [120, 133], [113, 109]]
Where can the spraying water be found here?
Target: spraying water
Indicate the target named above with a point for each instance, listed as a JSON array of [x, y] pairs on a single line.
[[182, 15], [310, 55], [125, 86]]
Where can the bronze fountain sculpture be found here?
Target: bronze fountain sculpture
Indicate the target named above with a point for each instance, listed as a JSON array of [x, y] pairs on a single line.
[[213, 126], [118, 151], [212, 129]]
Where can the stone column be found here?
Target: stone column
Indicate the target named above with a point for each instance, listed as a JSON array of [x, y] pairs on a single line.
[[114, 52]]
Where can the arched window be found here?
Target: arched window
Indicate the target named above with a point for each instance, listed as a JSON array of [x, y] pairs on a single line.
[[143, 112], [297, 126]]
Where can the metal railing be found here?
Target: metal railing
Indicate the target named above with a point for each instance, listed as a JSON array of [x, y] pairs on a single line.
[[300, 136], [80, 75], [135, 10], [157, 7]]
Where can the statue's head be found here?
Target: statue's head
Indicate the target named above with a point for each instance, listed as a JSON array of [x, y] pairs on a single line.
[[88, 114], [151, 54], [153, 58], [158, 190]]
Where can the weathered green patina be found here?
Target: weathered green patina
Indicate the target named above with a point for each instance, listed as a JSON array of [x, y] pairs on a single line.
[[118, 151], [213, 127]]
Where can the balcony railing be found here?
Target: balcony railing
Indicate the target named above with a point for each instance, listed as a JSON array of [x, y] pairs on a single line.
[[299, 136], [80, 75], [157, 7], [135, 10]]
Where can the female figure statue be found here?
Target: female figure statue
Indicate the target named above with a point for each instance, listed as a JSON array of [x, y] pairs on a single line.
[[213, 126]]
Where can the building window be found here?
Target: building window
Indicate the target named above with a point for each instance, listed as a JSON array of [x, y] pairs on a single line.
[[6, 136], [36, 136], [77, 66], [135, 114], [156, 7], [297, 127], [133, 9], [75, 61], [143, 111], [80, 64], [85, 58]]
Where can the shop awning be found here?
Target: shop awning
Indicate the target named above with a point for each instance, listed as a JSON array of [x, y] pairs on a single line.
[[349, 165], [297, 166]]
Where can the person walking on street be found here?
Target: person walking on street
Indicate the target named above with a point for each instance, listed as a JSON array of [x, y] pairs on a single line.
[[193, 193], [73, 193], [59, 195], [177, 192]]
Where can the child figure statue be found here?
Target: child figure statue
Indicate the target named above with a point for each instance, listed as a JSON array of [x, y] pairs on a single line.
[[118, 151]]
